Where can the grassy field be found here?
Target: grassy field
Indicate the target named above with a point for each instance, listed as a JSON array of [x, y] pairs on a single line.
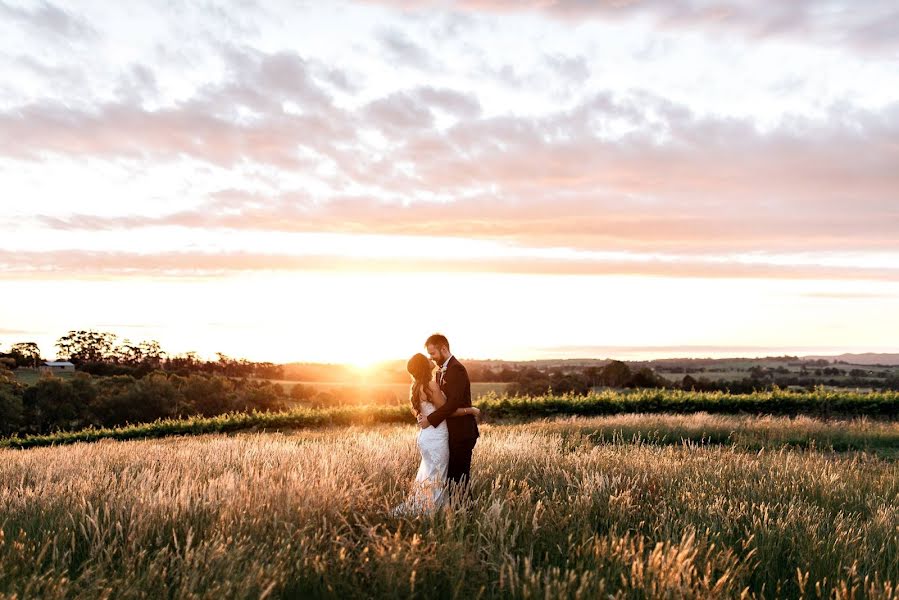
[[735, 369], [27, 376], [559, 511]]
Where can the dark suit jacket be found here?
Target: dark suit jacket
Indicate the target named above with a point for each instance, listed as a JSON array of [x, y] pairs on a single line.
[[457, 389]]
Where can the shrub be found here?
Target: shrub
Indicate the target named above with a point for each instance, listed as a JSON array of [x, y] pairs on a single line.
[[10, 410]]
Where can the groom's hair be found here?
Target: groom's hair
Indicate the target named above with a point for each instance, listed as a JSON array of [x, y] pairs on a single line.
[[437, 340]]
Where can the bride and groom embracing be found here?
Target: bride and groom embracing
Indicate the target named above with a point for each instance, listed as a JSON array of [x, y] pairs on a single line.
[[448, 429]]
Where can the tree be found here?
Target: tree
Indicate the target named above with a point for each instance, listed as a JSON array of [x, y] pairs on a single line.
[[616, 374], [10, 402], [51, 404], [30, 353], [129, 354], [577, 383], [267, 370], [209, 396], [122, 399], [87, 346], [10, 410], [152, 354], [688, 382], [646, 378], [184, 363], [301, 392], [758, 372], [530, 382], [593, 374], [263, 396]]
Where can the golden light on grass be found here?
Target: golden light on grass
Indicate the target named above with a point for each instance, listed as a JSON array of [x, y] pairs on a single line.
[[555, 515]]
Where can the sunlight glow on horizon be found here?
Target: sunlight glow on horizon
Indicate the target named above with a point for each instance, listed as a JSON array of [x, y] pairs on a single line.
[[363, 318]]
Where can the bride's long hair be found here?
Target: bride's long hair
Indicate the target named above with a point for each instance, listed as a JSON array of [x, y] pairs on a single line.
[[419, 368]]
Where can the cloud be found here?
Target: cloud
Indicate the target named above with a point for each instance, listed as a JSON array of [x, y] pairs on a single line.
[[68, 76], [686, 349], [49, 20], [13, 332], [78, 264], [407, 112], [619, 170], [400, 50], [583, 224], [211, 126], [571, 68], [673, 181], [398, 112], [458, 104], [868, 26], [853, 296]]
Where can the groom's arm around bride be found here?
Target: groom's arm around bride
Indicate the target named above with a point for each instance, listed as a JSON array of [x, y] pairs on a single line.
[[463, 431], [457, 389]]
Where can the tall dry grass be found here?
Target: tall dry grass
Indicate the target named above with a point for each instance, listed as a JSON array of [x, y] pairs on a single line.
[[556, 514]]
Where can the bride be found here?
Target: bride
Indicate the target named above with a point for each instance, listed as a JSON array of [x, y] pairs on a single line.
[[433, 442]]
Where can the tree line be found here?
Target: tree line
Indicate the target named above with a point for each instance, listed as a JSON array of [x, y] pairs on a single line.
[[98, 353], [65, 404]]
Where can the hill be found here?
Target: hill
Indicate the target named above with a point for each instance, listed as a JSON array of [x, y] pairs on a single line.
[[865, 358]]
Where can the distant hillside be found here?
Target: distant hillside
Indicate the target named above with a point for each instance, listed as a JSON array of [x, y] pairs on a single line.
[[866, 358]]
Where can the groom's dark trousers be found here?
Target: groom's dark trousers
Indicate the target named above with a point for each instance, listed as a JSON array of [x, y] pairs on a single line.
[[459, 470], [463, 431]]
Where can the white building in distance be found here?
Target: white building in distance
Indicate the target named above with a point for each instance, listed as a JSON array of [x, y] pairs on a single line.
[[55, 366]]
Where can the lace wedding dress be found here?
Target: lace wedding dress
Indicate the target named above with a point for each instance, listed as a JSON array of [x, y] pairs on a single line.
[[428, 490]]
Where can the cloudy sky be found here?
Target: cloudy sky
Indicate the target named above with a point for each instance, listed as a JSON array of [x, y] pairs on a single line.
[[336, 180]]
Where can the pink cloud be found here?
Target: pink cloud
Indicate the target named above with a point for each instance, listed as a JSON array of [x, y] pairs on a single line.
[[677, 182], [78, 264], [205, 127]]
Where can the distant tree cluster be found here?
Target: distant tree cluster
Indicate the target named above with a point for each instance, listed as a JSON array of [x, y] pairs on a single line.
[[762, 379], [23, 354], [615, 374], [54, 403], [482, 372], [97, 352]]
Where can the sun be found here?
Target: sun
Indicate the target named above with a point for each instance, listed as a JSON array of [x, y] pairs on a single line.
[[365, 367]]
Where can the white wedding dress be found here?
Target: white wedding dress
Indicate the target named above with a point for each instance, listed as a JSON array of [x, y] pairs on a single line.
[[428, 490]]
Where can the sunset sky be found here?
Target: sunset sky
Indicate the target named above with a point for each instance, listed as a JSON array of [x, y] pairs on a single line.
[[333, 181]]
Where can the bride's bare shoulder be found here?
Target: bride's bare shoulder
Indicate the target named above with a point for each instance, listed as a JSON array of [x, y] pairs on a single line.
[[423, 393], [432, 385]]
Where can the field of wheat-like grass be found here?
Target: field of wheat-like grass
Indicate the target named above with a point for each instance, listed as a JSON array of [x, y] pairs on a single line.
[[561, 509]]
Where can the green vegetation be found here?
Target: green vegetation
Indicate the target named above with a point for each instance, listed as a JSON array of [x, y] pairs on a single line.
[[52, 403], [827, 404], [28, 376], [554, 515], [820, 402], [298, 418]]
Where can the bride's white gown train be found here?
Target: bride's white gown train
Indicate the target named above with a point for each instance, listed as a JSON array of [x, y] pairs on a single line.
[[428, 489]]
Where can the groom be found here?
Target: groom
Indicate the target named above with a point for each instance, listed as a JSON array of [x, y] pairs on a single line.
[[463, 431]]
